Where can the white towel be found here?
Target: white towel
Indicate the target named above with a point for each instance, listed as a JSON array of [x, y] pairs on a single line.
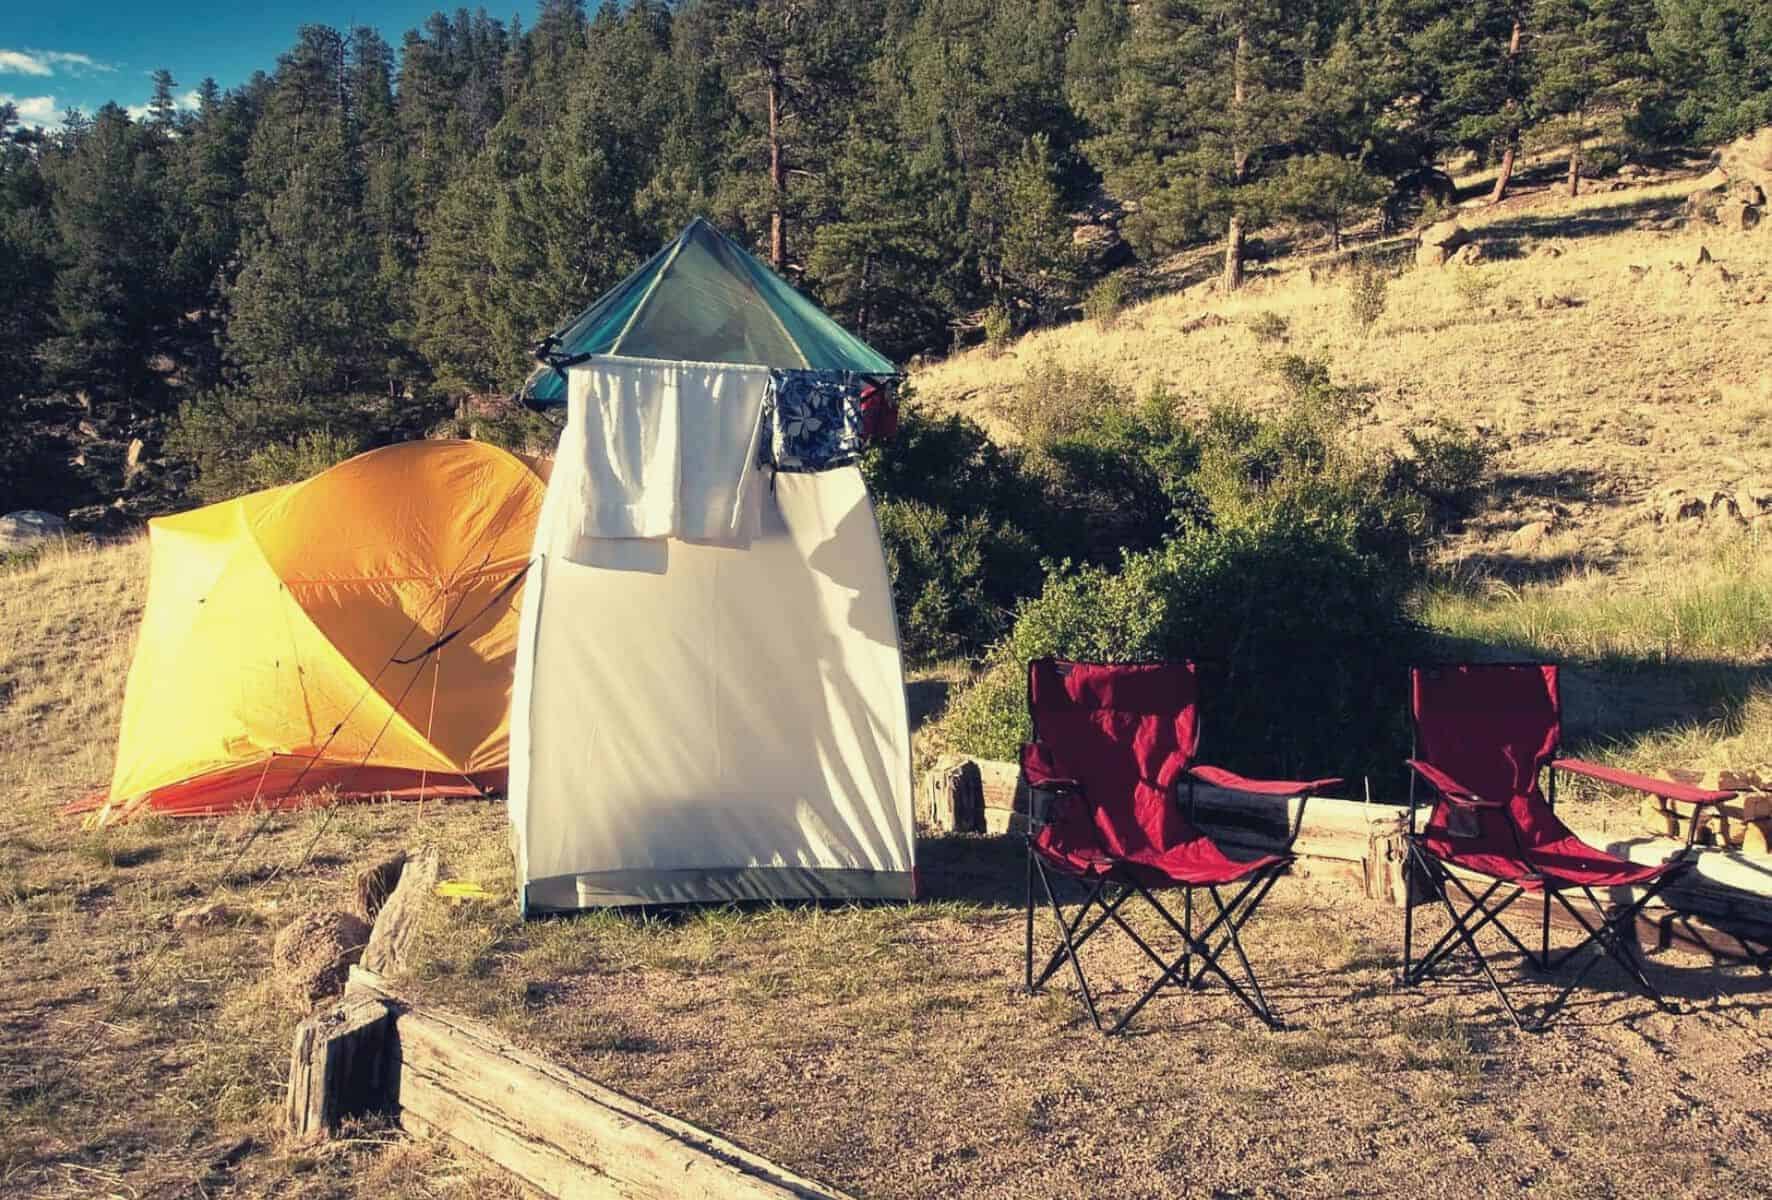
[[664, 450]]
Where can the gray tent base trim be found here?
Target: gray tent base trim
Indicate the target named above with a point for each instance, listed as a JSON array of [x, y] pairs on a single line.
[[612, 889]]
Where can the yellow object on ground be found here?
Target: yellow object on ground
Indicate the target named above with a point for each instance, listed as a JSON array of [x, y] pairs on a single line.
[[354, 632]]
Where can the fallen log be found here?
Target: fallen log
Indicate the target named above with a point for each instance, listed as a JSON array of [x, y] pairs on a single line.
[[551, 1128]]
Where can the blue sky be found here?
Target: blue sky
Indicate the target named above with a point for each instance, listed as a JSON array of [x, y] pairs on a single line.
[[57, 55]]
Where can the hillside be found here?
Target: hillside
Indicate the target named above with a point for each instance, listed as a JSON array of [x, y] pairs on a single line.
[[1615, 360]]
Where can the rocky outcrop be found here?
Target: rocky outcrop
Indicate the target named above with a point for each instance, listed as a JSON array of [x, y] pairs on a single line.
[[1438, 243]]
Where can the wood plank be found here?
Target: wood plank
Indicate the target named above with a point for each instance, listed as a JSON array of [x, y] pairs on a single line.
[[554, 1129], [396, 926], [339, 1066]]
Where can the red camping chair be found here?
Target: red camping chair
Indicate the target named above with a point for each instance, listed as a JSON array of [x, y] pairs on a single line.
[[1111, 744], [1483, 735]]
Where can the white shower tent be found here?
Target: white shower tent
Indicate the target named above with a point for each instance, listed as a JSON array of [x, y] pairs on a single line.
[[718, 714]]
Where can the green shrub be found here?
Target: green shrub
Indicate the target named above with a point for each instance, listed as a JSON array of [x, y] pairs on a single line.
[[1284, 572], [1104, 301], [1268, 327], [950, 505], [1474, 285], [1055, 402], [1446, 468], [290, 462], [1301, 638], [999, 328], [239, 441], [1366, 295], [955, 579]]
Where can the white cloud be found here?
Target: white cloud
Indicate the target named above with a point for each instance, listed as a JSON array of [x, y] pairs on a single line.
[[34, 110], [185, 102], [49, 62]]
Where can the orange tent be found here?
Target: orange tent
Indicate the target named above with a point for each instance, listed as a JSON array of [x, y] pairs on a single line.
[[355, 631]]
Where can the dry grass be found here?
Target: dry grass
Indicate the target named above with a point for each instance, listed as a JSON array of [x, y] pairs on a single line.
[[889, 1051], [135, 1061], [1641, 383], [887, 1048]]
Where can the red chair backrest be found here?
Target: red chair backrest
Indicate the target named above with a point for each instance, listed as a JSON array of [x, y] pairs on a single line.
[[1492, 727], [1125, 731]]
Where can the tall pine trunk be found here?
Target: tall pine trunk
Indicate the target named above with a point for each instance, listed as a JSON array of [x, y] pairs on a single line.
[[778, 178], [1506, 174], [1575, 154], [1233, 243]]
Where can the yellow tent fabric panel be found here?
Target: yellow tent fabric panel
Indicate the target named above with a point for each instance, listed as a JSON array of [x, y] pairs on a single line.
[[272, 621]]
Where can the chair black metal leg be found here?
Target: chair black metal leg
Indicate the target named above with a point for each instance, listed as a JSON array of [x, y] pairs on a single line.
[[1029, 965], [1241, 907], [1467, 937], [1070, 948], [1543, 962], [1077, 939]]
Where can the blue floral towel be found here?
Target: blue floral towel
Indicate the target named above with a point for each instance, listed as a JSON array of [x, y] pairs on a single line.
[[811, 420]]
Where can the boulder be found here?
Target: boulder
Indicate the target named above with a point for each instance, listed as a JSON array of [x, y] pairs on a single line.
[[1439, 242], [27, 527], [1469, 254], [1548, 250], [1723, 507], [1702, 205], [1749, 157], [1678, 505], [312, 955], [1529, 537], [1449, 234], [1746, 191], [1736, 214]]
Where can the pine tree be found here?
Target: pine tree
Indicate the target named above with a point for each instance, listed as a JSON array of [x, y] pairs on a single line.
[[1714, 61], [112, 315], [1208, 107], [1588, 54], [162, 108], [791, 65]]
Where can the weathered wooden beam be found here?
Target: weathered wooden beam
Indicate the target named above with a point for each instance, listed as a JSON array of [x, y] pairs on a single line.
[[396, 925], [339, 1066], [552, 1128]]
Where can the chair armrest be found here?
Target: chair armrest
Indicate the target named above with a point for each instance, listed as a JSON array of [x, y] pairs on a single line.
[[1230, 781], [1667, 789], [1450, 788]]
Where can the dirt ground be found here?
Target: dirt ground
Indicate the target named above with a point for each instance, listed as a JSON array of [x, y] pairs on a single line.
[[885, 1049], [891, 1052]]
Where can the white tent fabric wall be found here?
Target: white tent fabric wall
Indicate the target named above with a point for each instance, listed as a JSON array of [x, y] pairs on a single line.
[[700, 722]]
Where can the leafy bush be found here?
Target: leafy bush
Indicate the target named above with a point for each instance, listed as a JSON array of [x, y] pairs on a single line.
[[1285, 573], [1268, 327], [239, 441], [955, 579], [1104, 301], [1474, 286], [950, 503], [1301, 638], [1055, 402], [1445, 467], [290, 462], [999, 328], [1366, 295]]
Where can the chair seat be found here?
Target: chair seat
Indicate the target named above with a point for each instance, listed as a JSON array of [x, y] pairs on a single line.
[[1567, 862], [1194, 862]]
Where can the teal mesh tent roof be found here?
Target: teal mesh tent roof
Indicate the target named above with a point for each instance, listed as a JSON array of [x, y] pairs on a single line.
[[704, 299]]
